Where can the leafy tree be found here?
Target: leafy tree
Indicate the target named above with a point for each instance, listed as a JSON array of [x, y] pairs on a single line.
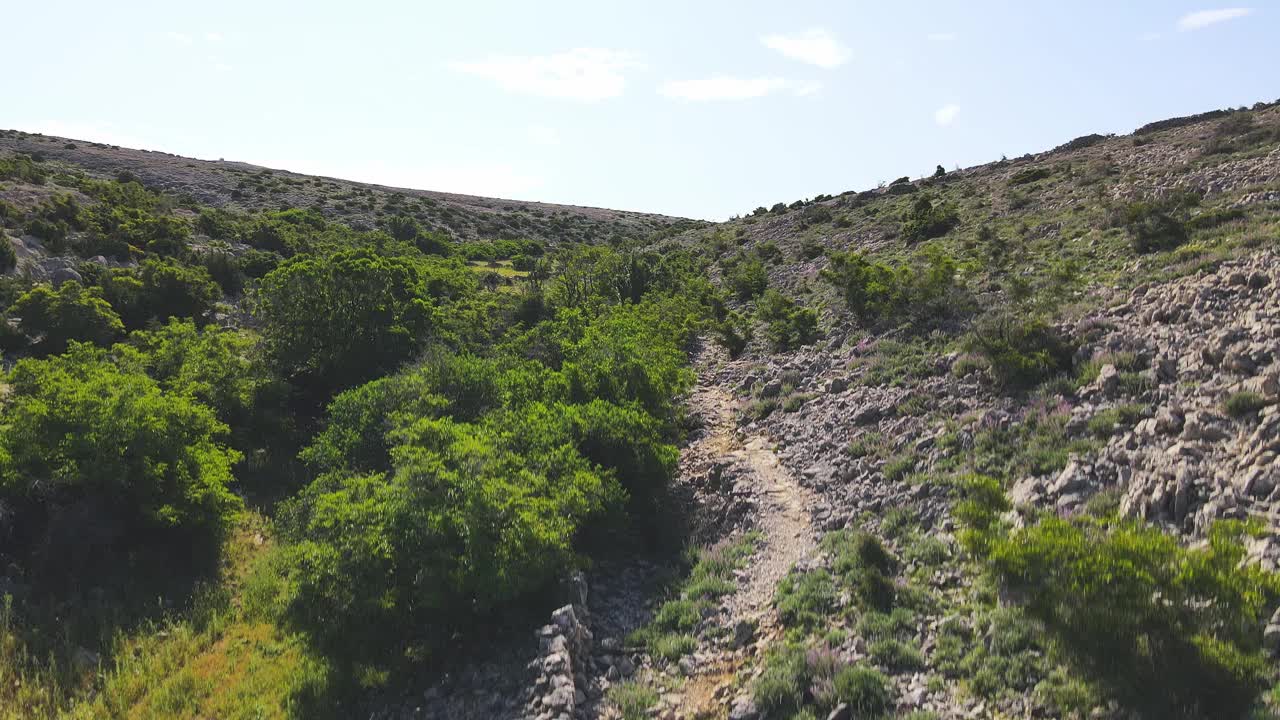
[[95, 457], [54, 318], [333, 321]]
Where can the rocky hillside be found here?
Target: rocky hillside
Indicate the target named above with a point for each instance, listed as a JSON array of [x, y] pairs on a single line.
[[244, 187], [1093, 329]]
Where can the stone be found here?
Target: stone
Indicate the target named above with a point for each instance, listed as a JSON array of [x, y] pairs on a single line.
[[837, 385], [1108, 382], [743, 708]]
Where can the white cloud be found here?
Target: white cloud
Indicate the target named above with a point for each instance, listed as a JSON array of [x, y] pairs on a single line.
[[213, 37], [721, 87], [942, 36], [179, 38], [579, 74], [1205, 18], [946, 114], [815, 46]]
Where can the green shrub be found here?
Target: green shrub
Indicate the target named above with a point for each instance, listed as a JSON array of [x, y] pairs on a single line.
[[8, 258], [633, 699], [23, 169], [1151, 225], [54, 318], [897, 467], [1170, 631], [1104, 424], [877, 291], [733, 332], [1020, 351], [334, 321], [926, 220], [788, 325], [96, 460], [780, 688], [865, 690], [1029, 175], [1244, 403], [746, 276], [672, 646], [805, 599], [896, 655]]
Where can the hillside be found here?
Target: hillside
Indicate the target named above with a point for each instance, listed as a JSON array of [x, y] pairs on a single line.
[[244, 187], [999, 442]]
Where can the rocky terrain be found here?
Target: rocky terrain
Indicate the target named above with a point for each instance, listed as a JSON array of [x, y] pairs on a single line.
[[1169, 417]]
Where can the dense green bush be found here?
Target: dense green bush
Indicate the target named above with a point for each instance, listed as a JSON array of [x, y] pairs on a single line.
[[333, 321], [1154, 225], [97, 459], [1171, 631], [1021, 351], [733, 332], [926, 219], [53, 318], [23, 169], [788, 325], [471, 518], [877, 291], [745, 276]]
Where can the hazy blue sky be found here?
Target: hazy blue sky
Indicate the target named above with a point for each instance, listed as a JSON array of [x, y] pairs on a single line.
[[703, 109]]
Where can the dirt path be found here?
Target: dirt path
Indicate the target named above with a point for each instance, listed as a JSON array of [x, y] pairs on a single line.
[[787, 537]]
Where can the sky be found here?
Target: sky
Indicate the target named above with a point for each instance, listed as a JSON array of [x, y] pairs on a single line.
[[697, 109]]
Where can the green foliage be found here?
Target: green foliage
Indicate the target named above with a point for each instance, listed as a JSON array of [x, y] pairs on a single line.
[[788, 325], [746, 276], [733, 332], [23, 169], [1244, 404], [878, 291], [633, 699], [1105, 423], [926, 219], [1171, 631], [471, 518], [896, 655], [804, 599], [1021, 350], [54, 318], [863, 565], [8, 258], [330, 322], [97, 458], [1152, 225], [865, 690]]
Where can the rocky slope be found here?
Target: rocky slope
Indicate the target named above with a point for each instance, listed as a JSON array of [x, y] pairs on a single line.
[[1169, 415]]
